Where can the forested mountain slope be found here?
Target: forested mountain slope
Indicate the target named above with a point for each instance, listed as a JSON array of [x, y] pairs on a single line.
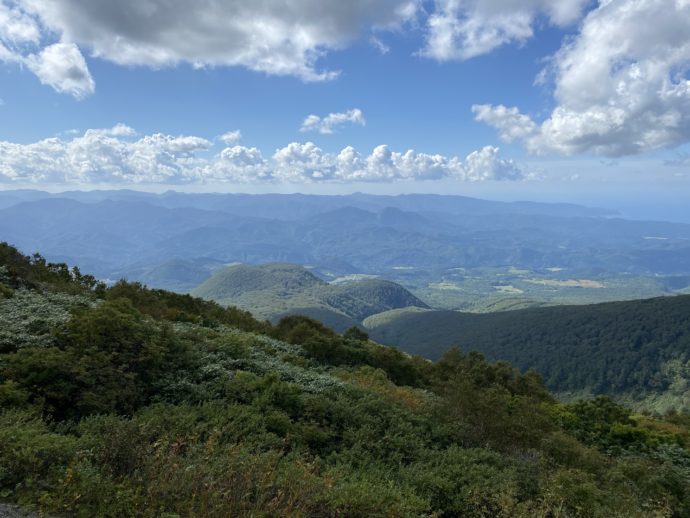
[[638, 350], [124, 401]]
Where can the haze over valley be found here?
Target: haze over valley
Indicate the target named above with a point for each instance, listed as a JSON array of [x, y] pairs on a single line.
[[452, 252]]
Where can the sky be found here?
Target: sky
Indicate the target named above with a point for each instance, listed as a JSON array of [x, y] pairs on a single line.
[[558, 100]]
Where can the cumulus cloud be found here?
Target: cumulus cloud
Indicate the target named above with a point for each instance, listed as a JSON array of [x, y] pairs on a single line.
[[62, 66], [621, 84], [231, 137], [332, 121], [463, 29], [299, 162], [102, 156], [485, 164], [17, 27], [271, 36], [236, 164], [118, 155]]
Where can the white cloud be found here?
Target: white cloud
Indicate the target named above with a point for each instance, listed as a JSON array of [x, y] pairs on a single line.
[[463, 29], [621, 85], [102, 156], [237, 164], [298, 162], [271, 36], [485, 164], [16, 27], [332, 121], [379, 45], [118, 156], [231, 137], [60, 65], [119, 130], [511, 124]]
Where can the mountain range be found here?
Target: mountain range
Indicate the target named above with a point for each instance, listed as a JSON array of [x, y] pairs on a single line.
[[438, 247]]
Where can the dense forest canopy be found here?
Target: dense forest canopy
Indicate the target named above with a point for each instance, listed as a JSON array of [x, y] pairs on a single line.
[[636, 350], [125, 401]]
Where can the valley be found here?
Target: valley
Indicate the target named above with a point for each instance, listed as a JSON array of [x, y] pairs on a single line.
[[419, 272], [634, 351]]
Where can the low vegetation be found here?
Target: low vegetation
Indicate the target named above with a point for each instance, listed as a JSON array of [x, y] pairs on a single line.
[[123, 401]]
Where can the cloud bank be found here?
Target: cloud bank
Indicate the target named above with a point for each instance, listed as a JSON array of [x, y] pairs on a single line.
[[621, 85], [119, 156], [271, 36]]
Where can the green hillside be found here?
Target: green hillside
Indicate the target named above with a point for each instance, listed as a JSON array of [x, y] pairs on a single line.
[[278, 289], [128, 402], [638, 351]]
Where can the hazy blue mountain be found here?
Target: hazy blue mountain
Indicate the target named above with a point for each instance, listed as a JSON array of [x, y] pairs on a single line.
[[297, 206], [170, 239]]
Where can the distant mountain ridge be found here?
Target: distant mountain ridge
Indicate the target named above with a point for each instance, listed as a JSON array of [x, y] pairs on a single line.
[[428, 243], [276, 289], [298, 206]]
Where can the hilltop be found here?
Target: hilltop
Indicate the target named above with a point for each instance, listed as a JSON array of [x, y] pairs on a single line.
[[277, 289]]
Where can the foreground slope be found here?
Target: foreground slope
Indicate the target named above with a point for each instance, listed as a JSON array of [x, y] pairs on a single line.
[[125, 401], [278, 289], [634, 350]]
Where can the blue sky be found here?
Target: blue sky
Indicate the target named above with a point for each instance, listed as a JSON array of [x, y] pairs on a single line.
[[543, 99], [408, 101]]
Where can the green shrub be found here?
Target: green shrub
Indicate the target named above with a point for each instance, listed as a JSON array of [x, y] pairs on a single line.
[[32, 457]]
